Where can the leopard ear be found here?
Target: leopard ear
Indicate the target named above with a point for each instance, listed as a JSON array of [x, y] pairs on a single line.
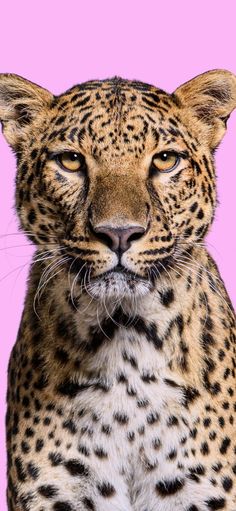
[[210, 98], [20, 102]]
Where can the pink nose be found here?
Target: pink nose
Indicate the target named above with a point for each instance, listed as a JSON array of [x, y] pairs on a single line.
[[118, 239]]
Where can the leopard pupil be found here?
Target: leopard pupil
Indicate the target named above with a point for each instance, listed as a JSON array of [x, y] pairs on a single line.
[[164, 156]]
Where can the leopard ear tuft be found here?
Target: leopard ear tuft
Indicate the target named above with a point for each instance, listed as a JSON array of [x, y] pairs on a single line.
[[210, 98], [20, 102]]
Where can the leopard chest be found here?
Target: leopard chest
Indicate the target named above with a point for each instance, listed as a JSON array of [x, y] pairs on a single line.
[[131, 411]]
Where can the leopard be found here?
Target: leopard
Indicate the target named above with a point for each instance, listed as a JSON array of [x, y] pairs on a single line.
[[121, 382]]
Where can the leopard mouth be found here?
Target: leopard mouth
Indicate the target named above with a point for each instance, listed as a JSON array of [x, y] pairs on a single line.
[[120, 271], [119, 268], [119, 281]]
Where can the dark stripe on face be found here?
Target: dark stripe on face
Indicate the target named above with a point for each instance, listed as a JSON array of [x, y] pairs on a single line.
[[149, 103]]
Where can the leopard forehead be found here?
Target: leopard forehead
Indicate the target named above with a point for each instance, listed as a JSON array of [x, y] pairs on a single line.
[[113, 118]]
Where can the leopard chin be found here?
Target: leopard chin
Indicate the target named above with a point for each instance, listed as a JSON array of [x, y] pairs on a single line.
[[118, 285]]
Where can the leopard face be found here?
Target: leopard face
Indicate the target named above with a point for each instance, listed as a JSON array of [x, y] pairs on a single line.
[[117, 177]]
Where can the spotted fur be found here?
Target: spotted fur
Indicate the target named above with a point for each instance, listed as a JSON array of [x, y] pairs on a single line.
[[121, 386]]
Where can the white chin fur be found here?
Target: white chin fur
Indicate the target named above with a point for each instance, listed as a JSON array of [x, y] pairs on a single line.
[[118, 286]]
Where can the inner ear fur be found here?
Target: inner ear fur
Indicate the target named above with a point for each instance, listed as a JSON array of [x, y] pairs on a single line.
[[210, 98], [20, 102]]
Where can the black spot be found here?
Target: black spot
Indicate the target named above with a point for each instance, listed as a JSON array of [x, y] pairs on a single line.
[[85, 117], [171, 383], [227, 483], [180, 323], [62, 506], [70, 425], [172, 454], [193, 207], [34, 153], [153, 418], [46, 421], [201, 230], [55, 458], [109, 327], [50, 407], [198, 469], [81, 134], [32, 216], [147, 377], [62, 355], [30, 180], [189, 395], [60, 120], [207, 340], [25, 447], [83, 450], [172, 421], [217, 467], [39, 445], [121, 378], [200, 214], [149, 103], [88, 503], [204, 448], [206, 422], [167, 297], [70, 388], [24, 168], [33, 471], [100, 453], [25, 499], [193, 433], [127, 357], [29, 432], [76, 468], [48, 491], [225, 405], [188, 232], [106, 489], [169, 487], [25, 401], [224, 445], [62, 329], [131, 436], [42, 382], [142, 402], [83, 101], [212, 435], [21, 474], [215, 503], [193, 477], [106, 428], [121, 418]]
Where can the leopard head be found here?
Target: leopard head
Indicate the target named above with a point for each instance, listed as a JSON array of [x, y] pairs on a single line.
[[117, 175]]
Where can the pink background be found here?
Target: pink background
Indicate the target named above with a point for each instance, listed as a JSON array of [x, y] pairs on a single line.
[[58, 45]]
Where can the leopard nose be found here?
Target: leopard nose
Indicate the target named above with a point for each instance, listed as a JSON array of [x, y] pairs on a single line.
[[118, 239]]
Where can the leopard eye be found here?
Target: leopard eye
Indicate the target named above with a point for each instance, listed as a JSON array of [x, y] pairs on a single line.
[[165, 161], [70, 161]]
